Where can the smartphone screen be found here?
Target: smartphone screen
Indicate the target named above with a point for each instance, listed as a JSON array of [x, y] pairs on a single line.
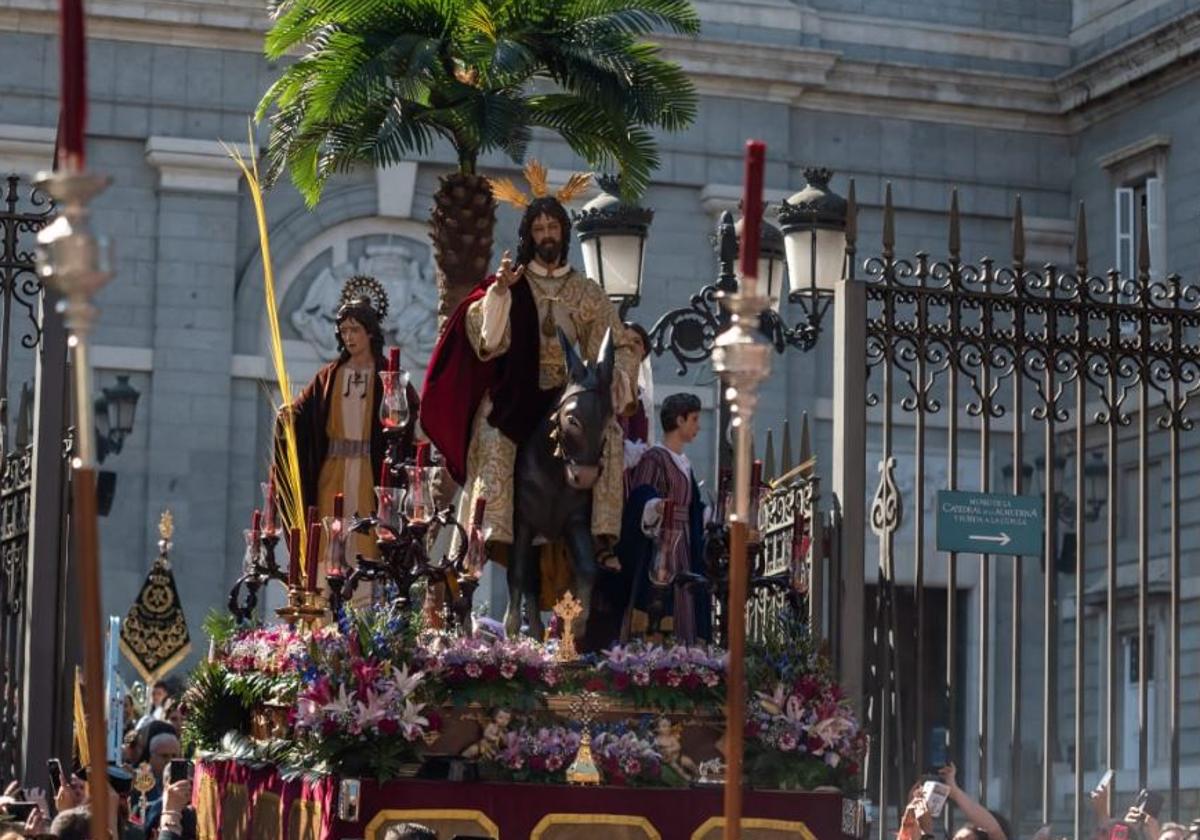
[[935, 794], [54, 768], [178, 770], [20, 811]]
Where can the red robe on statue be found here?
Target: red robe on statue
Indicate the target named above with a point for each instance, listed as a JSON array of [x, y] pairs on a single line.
[[457, 379]]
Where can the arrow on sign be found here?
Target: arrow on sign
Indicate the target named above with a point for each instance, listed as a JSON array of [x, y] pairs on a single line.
[[1003, 539]]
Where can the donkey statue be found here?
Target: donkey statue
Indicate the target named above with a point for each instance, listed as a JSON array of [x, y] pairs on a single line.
[[555, 471]]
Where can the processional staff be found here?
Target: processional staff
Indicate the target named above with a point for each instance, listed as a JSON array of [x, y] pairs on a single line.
[[79, 265], [742, 358]]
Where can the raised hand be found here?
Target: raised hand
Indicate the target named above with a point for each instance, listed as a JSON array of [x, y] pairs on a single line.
[[508, 273]]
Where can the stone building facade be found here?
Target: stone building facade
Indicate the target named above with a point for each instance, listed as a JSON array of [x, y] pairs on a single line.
[[1057, 101]]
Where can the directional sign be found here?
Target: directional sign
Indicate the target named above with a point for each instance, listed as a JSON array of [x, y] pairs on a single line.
[[989, 523]]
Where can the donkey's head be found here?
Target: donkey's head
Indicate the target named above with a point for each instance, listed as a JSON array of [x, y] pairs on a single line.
[[584, 412]]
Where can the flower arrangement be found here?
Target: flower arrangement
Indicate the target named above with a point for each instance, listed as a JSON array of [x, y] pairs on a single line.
[[513, 673], [360, 705], [678, 678], [536, 755], [804, 734], [271, 651], [371, 699], [629, 758], [801, 731]]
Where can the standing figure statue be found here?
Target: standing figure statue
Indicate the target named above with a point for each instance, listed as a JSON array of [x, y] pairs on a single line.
[[662, 538], [498, 373], [339, 439]]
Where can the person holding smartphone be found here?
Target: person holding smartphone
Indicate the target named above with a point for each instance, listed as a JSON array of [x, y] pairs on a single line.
[[177, 800], [979, 819]]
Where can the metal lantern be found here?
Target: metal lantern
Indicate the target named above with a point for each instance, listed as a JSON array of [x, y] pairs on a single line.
[[814, 232], [771, 261], [612, 235], [122, 400]]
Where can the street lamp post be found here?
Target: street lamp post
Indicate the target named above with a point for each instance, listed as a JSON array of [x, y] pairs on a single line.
[[612, 235], [114, 417]]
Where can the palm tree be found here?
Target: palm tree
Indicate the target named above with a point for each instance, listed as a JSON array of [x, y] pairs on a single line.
[[378, 81]]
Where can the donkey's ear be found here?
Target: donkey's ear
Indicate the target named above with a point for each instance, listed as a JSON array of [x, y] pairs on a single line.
[[605, 358], [575, 367]]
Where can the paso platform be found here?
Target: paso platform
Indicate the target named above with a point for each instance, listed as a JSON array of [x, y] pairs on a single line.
[[239, 802]]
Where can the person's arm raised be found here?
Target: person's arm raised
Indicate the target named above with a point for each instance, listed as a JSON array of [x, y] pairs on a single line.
[[974, 813]]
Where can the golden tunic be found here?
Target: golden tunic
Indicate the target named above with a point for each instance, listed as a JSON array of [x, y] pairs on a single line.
[[347, 469], [584, 312]]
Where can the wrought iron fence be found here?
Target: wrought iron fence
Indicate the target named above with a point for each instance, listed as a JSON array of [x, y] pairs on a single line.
[[978, 367], [24, 211]]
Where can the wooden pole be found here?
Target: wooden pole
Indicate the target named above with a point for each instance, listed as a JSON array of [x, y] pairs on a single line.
[[87, 546], [735, 691]]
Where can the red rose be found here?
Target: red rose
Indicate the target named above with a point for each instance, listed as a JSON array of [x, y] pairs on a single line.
[[435, 720], [662, 676], [691, 681], [490, 672], [620, 681], [328, 727], [594, 684], [815, 746], [537, 762], [387, 726], [532, 673]]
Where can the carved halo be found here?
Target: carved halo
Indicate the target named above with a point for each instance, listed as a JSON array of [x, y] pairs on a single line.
[[362, 287]]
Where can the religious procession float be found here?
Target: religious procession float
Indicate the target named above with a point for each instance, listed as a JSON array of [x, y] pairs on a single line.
[[379, 696]]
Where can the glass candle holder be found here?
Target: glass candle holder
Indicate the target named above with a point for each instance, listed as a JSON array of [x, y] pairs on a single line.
[[253, 548], [394, 411], [418, 498], [337, 533], [387, 510]]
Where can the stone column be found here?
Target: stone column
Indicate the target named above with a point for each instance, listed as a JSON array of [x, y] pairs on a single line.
[[188, 406]]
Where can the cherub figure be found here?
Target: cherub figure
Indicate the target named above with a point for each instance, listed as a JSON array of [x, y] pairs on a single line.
[[667, 741], [493, 736]]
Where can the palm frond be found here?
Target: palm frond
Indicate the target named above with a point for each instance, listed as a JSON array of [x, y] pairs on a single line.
[[377, 80], [636, 17]]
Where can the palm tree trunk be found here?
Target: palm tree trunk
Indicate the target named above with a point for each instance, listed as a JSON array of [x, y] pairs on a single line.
[[462, 228]]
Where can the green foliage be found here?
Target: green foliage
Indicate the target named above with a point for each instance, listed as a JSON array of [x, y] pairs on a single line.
[[219, 626], [214, 708], [378, 81], [770, 769], [788, 651]]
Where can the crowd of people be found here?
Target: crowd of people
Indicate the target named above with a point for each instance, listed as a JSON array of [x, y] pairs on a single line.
[[928, 798], [149, 788]]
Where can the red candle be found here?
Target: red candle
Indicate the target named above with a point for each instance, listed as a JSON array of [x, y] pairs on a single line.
[[314, 551], [72, 85], [339, 506], [256, 523], [393, 360], [294, 558], [383, 473], [422, 449], [477, 519], [756, 476], [752, 207]]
